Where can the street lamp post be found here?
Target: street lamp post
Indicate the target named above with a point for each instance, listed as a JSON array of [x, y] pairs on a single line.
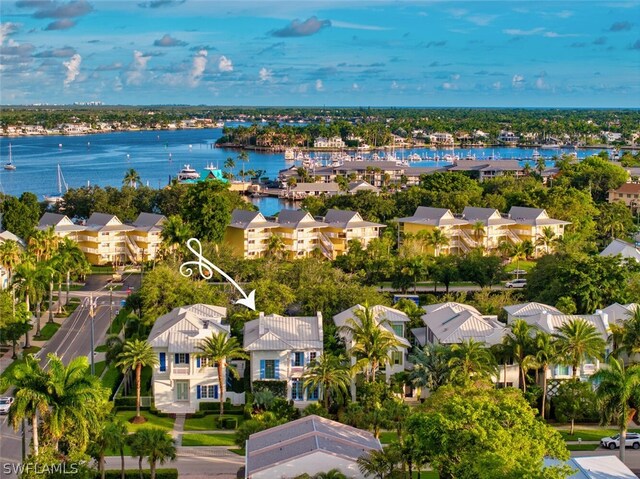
[[92, 305], [110, 308]]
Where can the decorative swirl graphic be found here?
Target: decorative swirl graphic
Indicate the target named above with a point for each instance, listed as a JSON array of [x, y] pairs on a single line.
[[205, 267]]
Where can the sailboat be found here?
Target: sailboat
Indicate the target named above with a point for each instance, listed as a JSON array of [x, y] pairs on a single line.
[[56, 198], [9, 164]]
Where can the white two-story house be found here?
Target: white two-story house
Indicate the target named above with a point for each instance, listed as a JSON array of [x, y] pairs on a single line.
[[182, 379], [392, 320], [280, 347]]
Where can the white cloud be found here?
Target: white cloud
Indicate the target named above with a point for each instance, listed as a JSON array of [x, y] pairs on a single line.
[[198, 67], [225, 64], [265, 74], [117, 84], [355, 87], [394, 85], [455, 77], [137, 68], [481, 20], [517, 81], [449, 86], [73, 68], [357, 26], [564, 14], [497, 86], [458, 12], [540, 82], [319, 85], [6, 29], [523, 33], [560, 35]]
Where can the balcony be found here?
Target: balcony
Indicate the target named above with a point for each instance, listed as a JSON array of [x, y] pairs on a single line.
[[180, 370]]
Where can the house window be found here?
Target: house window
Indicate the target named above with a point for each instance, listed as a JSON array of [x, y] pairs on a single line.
[[312, 394], [204, 362], [297, 393], [297, 360], [182, 390], [209, 391], [252, 241], [398, 328], [300, 241], [181, 358], [312, 356], [269, 369], [396, 357]]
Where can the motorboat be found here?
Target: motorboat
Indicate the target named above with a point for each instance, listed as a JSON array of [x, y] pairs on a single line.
[[188, 173]]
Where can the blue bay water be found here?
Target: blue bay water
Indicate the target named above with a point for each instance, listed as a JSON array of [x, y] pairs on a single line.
[[103, 159]]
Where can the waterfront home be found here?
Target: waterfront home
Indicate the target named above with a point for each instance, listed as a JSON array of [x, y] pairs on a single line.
[[302, 234], [307, 446], [629, 194], [495, 229], [428, 219], [62, 226], [618, 313], [533, 223], [300, 191], [280, 347], [508, 138], [104, 240], [346, 226], [146, 236], [182, 379], [334, 142], [361, 185], [442, 139], [487, 169], [390, 319], [622, 248], [249, 233]]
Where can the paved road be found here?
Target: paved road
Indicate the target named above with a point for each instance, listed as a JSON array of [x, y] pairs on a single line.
[[73, 339]]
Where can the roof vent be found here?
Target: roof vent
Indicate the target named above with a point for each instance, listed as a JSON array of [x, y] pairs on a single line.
[[205, 324]]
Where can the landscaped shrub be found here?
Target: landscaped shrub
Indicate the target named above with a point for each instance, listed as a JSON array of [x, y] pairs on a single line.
[[134, 474], [278, 388], [215, 407], [230, 423]]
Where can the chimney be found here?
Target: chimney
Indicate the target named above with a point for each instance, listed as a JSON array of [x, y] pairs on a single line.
[[261, 328], [320, 329], [605, 318]]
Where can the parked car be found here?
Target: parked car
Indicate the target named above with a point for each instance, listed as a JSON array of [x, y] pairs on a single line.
[[516, 283], [613, 442], [5, 403]]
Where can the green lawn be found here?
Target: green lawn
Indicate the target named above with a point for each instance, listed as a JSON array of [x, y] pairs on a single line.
[[31, 350], [387, 437], [47, 332], [165, 423], [127, 451], [590, 434], [582, 447], [99, 367], [208, 423], [101, 349], [208, 439], [239, 452], [112, 378], [525, 265]]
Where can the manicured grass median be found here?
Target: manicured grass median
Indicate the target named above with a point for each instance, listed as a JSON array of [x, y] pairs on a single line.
[[112, 378], [387, 437], [99, 367], [594, 434], [582, 447], [165, 423], [216, 439], [127, 451], [47, 332]]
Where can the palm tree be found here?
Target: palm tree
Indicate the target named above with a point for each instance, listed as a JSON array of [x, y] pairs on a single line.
[[546, 354], [430, 366], [631, 333], [518, 343], [44, 243], [329, 374], [31, 395], [540, 165], [219, 348], [438, 240], [478, 230], [379, 464], [616, 387], [330, 474], [155, 444], [275, 247], [112, 435], [135, 355], [502, 353], [229, 165], [175, 233], [77, 398], [371, 342], [578, 340], [519, 251], [71, 260], [10, 255], [131, 178], [471, 360], [547, 238]]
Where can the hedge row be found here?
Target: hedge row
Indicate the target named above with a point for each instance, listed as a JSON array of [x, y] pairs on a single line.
[[134, 474], [215, 407], [278, 388]]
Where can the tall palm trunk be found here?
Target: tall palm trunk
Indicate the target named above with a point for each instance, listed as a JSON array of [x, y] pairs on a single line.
[[38, 316], [504, 374], [325, 395], [152, 466], [544, 389], [101, 465], [138, 381], [221, 398], [140, 466], [122, 462], [34, 426], [575, 371], [68, 286], [51, 300], [59, 308], [523, 378]]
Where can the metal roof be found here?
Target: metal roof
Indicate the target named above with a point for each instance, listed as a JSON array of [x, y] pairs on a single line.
[[530, 309], [533, 216], [489, 216], [380, 313], [149, 222], [297, 219], [283, 333], [274, 447], [59, 223], [348, 219], [244, 219], [433, 216], [619, 247], [450, 326]]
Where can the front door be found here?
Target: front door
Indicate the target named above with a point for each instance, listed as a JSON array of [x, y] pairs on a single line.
[[182, 390]]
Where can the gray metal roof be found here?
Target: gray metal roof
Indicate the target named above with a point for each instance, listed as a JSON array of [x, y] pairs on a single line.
[[530, 309], [297, 219], [533, 216], [283, 333], [322, 187], [619, 247], [380, 313], [347, 219], [244, 219], [59, 222], [100, 222], [149, 222], [451, 326], [433, 216], [274, 447], [489, 216]]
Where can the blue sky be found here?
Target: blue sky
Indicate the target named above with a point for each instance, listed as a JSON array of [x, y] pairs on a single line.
[[342, 53]]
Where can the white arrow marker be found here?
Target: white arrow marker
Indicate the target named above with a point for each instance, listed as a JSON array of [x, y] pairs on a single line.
[[206, 269]]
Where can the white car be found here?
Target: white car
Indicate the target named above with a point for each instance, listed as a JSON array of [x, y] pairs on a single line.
[[516, 283], [5, 403], [613, 442]]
